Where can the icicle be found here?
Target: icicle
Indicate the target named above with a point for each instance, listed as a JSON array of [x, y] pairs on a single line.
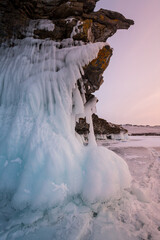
[[90, 108]]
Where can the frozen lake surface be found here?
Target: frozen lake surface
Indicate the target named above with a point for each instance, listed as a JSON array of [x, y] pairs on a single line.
[[142, 130], [142, 154]]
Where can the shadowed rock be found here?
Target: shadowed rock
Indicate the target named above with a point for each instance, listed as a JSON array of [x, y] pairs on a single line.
[[101, 127]]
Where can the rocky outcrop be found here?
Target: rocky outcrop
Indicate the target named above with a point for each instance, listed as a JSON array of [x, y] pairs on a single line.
[[72, 20], [65, 14], [94, 71], [142, 130], [101, 127]]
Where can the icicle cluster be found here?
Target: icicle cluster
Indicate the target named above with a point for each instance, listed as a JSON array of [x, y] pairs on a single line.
[[42, 160]]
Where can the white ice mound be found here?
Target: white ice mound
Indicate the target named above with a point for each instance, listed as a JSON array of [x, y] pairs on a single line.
[[105, 174], [42, 162]]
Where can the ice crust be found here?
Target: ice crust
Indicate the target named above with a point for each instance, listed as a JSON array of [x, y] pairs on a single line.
[[42, 161]]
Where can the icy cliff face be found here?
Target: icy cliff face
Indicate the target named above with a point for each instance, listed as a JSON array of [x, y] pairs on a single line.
[[45, 87]]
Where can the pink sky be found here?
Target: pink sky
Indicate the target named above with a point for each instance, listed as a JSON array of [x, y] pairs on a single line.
[[131, 91]]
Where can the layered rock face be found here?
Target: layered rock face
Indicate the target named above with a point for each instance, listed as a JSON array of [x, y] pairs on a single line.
[[65, 14]]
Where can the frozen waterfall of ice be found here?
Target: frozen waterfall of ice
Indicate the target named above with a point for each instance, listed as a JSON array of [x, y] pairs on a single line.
[[43, 163]]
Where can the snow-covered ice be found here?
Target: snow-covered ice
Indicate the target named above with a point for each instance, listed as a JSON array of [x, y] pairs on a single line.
[[51, 185], [133, 215], [142, 154], [39, 104]]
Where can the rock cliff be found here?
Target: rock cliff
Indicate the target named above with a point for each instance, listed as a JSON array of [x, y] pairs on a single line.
[[67, 15], [101, 127], [71, 22]]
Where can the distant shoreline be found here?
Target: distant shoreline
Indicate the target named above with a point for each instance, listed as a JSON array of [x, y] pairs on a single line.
[[139, 130], [144, 134]]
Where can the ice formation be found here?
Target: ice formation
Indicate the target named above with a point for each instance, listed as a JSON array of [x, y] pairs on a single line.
[[43, 163]]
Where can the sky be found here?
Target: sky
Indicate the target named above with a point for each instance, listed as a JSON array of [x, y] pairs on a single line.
[[131, 89]]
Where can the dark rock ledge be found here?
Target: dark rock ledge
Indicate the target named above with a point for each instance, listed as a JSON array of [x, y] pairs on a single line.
[[101, 127]]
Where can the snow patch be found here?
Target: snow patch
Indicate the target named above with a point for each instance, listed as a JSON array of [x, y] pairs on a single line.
[[141, 194], [76, 29], [39, 24]]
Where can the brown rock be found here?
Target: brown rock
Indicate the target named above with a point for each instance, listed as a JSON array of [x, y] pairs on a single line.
[[96, 26], [93, 72], [101, 126], [68, 9], [107, 17], [82, 127]]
